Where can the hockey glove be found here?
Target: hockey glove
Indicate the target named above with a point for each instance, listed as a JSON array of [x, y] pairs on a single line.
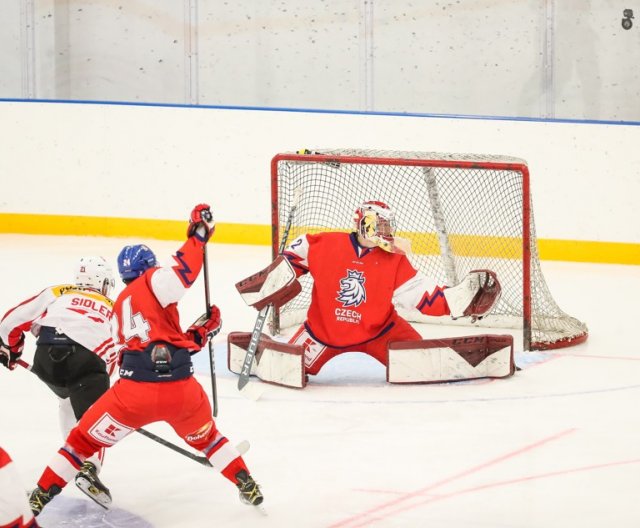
[[475, 296], [201, 223], [9, 355], [205, 327]]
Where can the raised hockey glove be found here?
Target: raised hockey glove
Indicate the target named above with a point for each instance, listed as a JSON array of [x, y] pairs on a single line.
[[205, 327], [9, 355], [201, 223]]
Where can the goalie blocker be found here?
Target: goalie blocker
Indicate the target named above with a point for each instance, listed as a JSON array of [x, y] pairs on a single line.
[[424, 361], [276, 284]]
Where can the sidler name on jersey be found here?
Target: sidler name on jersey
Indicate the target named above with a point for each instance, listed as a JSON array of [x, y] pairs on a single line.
[[348, 316], [91, 304]]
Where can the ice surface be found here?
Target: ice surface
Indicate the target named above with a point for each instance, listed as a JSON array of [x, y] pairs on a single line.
[[555, 446]]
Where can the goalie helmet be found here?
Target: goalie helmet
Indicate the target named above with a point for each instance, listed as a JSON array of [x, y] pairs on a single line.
[[133, 261], [95, 273], [374, 221]]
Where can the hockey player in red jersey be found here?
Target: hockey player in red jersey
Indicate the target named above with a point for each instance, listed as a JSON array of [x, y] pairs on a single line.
[[75, 353], [14, 507], [156, 374], [358, 277], [358, 280]]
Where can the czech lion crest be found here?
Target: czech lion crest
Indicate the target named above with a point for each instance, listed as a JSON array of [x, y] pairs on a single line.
[[352, 292]]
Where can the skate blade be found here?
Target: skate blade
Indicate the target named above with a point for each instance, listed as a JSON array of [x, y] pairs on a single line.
[[258, 507], [97, 496]]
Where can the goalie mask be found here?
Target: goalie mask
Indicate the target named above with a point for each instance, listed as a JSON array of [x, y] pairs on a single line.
[[133, 261], [95, 273], [375, 222]]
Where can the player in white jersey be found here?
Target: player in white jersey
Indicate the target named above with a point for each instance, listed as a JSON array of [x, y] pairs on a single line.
[[14, 507], [75, 353]]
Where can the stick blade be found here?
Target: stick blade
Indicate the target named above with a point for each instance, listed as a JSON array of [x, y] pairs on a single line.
[[243, 446], [242, 382], [252, 391]]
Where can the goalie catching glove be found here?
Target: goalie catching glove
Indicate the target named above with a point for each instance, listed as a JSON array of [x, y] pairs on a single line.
[[201, 223], [276, 284], [475, 296], [205, 327], [9, 355]]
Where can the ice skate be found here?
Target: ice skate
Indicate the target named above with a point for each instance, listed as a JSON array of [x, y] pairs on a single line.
[[39, 498], [249, 490], [89, 483]]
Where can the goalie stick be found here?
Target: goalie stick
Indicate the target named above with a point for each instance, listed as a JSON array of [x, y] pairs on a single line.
[[242, 447], [245, 372]]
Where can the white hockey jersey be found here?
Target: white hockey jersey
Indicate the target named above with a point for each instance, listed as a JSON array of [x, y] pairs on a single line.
[[82, 314]]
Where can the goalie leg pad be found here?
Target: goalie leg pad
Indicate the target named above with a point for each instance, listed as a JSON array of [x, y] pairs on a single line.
[[275, 362], [276, 284], [451, 359]]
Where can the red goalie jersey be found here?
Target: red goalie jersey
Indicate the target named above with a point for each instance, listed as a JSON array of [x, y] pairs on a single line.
[[355, 287]]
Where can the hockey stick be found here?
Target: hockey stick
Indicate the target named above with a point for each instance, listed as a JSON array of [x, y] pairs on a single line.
[[212, 361], [245, 372], [242, 447], [200, 459]]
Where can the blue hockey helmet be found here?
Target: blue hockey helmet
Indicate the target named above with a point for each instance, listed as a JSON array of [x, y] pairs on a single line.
[[133, 261]]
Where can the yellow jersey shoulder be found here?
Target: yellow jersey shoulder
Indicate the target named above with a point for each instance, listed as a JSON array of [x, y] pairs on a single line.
[[66, 289]]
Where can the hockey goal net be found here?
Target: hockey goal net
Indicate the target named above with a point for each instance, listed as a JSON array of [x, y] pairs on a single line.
[[459, 211]]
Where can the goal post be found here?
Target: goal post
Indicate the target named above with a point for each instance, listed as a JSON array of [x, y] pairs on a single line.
[[459, 211]]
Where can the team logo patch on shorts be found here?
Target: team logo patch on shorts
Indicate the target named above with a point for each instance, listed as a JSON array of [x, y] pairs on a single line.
[[200, 433], [108, 431]]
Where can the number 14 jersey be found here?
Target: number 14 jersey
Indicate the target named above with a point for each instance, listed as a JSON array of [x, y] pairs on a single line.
[[146, 310]]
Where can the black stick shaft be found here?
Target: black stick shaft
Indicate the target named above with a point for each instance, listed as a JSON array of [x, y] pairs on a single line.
[[199, 459], [212, 361]]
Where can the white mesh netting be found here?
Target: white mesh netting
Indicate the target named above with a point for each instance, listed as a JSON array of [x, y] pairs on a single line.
[[457, 216]]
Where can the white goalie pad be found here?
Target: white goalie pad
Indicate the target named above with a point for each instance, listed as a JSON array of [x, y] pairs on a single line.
[[276, 284], [451, 359], [275, 362]]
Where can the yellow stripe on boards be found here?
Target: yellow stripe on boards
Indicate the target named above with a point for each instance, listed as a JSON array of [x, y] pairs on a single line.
[[127, 227], [586, 251], [256, 234], [253, 234]]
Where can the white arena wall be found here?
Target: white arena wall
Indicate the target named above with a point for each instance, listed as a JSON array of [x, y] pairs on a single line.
[[111, 169]]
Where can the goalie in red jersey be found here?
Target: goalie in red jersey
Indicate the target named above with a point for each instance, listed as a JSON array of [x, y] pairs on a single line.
[[358, 280], [156, 374]]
